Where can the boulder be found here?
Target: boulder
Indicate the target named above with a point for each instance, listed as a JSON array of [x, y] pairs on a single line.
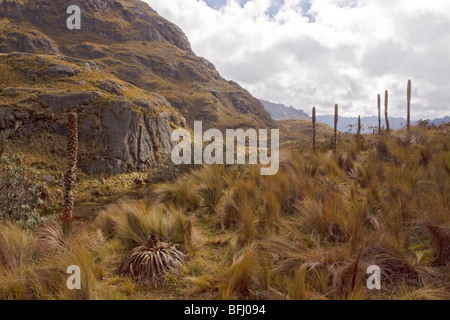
[[144, 103], [111, 87], [60, 71]]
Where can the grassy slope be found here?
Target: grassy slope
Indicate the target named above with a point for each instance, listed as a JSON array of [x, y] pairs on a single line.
[[300, 132]]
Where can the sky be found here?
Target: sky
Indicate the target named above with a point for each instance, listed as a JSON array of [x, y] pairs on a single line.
[[309, 53]]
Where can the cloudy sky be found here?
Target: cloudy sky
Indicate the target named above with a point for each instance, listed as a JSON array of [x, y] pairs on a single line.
[[320, 52]]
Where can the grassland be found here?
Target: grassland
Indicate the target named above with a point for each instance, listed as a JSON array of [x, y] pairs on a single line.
[[309, 232]]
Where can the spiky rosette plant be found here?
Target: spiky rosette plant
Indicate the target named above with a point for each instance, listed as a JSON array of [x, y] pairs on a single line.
[[150, 262]]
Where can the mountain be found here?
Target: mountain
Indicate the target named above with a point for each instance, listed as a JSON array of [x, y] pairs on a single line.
[[279, 111], [130, 74], [349, 124], [440, 121]]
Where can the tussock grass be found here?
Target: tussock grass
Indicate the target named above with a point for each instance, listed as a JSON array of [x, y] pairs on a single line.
[[309, 232], [134, 222]]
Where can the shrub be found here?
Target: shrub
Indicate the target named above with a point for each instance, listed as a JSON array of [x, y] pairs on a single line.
[[21, 194]]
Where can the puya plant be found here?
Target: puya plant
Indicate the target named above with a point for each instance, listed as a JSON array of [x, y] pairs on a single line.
[[358, 135], [336, 119], [379, 113], [314, 122], [152, 261], [386, 106], [408, 98], [71, 173]]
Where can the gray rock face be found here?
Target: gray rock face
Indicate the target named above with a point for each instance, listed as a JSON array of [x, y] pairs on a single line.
[[133, 140], [144, 103], [133, 137]]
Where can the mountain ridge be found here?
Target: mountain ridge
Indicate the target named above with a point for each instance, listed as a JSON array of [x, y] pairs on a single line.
[[279, 111]]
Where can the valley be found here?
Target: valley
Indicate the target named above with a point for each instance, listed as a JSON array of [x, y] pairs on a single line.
[[123, 120]]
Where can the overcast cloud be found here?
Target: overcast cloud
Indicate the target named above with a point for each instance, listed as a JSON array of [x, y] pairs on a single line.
[[321, 52]]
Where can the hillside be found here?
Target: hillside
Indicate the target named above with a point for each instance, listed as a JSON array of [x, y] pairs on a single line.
[[129, 40], [299, 132], [122, 128]]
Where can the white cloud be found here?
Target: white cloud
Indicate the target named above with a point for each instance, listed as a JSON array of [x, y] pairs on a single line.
[[353, 50]]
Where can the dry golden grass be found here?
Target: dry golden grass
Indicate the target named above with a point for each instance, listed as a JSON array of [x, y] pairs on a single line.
[[309, 232]]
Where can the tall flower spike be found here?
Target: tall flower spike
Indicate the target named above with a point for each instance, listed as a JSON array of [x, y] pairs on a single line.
[[379, 114], [71, 173], [336, 119], [386, 106], [408, 98], [359, 132], [314, 127]]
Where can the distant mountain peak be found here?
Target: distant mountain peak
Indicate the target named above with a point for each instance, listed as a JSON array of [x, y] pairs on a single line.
[[279, 111]]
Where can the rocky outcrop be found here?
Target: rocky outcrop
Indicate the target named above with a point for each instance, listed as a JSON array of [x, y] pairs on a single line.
[[60, 70], [32, 43], [134, 138], [111, 87]]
